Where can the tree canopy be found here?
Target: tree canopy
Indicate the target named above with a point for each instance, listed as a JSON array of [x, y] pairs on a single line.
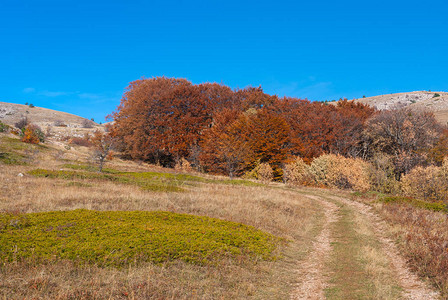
[[216, 129]]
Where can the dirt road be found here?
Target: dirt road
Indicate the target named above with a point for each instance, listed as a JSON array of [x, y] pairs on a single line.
[[352, 258]]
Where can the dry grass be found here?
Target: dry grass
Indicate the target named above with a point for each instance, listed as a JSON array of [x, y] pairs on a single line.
[[377, 264], [280, 212], [423, 237], [178, 280]]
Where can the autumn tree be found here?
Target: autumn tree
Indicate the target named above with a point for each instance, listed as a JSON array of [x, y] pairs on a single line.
[[439, 152], [219, 97], [252, 97], [349, 120], [317, 128], [237, 142], [161, 119], [405, 134], [103, 145], [224, 149], [267, 137]]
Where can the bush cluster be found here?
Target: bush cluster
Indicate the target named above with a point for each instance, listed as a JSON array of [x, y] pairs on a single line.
[[329, 170], [428, 183], [334, 171], [32, 134]]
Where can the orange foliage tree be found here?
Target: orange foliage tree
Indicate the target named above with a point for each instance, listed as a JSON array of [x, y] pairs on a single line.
[[238, 144], [161, 119], [317, 128], [223, 149]]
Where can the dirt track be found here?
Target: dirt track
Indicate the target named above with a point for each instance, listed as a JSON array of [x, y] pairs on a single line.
[[352, 258]]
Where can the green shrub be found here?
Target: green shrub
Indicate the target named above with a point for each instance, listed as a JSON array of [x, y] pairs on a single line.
[[153, 181], [436, 95], [89, 168], [14, 152], [145, 182], [3, 127], [119, 238]]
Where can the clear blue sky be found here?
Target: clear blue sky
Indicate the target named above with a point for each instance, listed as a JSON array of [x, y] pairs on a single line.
[[79, 56]]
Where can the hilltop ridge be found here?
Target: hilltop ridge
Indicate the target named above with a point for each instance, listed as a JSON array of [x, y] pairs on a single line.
[[436, 102], [11, 113]]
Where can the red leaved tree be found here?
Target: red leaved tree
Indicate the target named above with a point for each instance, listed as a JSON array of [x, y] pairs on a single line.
[[161, 119]]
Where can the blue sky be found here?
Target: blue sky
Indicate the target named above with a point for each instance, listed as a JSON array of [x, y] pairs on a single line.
[[79, 56]]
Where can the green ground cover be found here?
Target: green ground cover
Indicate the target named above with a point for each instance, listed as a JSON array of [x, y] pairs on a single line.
[[153, 181], [123, 237], [14, 152]]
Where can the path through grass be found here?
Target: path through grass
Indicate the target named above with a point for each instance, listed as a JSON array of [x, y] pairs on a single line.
[[360, 264]]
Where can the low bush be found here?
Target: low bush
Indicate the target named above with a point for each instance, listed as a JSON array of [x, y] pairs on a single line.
[[336, 171], [80, 141], [152, 181], [32, 134], [59, 123], [87, 123], [120, 238], [425, 183], [3, 127], [90, 168], [261, 171], [265, 173], [297, 173], [183, 165], [22, 123], [11, 159], [382, 174]]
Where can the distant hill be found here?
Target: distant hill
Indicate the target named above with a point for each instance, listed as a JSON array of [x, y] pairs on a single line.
[[436, 102], [11, 113]]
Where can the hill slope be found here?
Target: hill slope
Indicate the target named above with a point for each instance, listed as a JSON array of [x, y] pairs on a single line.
[[11, 113], [418, 99]]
